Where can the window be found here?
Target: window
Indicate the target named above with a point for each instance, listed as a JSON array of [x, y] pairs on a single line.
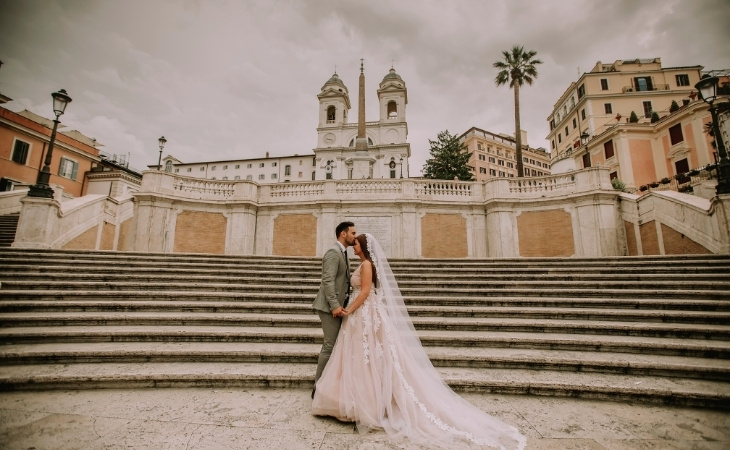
[[501, 174], [248, 166], [552, 144], [224, 178], [479, 146], [482, 158], [314, 163], [262, 164], [575, 124], [190, 169], [212, 178], [583, 114], [237, 177], [274, 176], [675, 134], [20, 152], [177, 170], [608, 108], [68, 169], [586, 160], [604, 84], [500, 162], [682, 79], [314, 176], [643, 84], [647, 109], [491, 159], [608, 149], [273, 164], [287, 170], [524, 159], [392, 174], [212, 168], [300, 175], [238, 166], [225, 167], [532, 161], [168, 166], [202, 169], [483, 170], [560, 138], [249, 177], [552, 124], [581, 91], [612, 175], [262, 176], [510, 165], [566, 130], [492, 172]]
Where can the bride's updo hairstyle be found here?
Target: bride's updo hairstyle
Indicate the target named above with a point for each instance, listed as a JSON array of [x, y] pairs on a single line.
[[363, 241]]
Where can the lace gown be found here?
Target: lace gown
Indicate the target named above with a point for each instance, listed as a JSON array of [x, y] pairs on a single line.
[[370, 379]]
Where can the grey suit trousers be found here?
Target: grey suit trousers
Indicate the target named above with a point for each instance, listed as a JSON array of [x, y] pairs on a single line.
[[331, 328]]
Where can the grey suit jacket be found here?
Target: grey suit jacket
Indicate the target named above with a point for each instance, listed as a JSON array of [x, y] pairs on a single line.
[[335, 275]]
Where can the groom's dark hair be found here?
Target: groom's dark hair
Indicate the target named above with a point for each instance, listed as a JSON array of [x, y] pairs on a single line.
[[344, 226]]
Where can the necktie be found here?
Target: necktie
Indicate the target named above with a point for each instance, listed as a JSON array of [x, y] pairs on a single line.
[[347, 263]]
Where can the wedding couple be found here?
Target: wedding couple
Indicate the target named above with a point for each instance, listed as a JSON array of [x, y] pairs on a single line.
[[372, 368]]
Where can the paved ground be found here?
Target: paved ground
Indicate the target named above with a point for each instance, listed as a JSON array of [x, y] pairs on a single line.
[[280, 419]]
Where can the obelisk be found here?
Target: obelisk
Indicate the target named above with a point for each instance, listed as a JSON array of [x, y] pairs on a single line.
[[361, 143]]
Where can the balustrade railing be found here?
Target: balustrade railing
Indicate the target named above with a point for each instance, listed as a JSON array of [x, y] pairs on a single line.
[[444, 188], [208, 189], [375, 187], [297, 189], [543, 184]]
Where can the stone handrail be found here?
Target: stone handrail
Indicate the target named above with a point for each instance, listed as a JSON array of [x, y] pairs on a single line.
[[10, 201]]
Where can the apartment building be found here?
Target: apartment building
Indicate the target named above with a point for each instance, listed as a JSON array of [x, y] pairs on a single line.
[[607, 96], [24, 139], [494, 155]]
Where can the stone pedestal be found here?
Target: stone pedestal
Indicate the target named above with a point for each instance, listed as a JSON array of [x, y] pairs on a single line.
[[38, 223]]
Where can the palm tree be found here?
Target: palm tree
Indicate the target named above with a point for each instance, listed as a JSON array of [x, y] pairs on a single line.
[[517, 67]]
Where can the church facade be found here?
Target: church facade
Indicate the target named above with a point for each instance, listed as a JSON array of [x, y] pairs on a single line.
[[336, 155]]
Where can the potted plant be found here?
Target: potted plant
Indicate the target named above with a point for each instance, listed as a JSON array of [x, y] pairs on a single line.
[[674, 107], [633, 118], [665, 180], [654, 117], [644, 187], [653, 184]]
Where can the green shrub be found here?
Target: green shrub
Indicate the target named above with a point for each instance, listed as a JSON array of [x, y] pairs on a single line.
[[633, 118], [618, 184]]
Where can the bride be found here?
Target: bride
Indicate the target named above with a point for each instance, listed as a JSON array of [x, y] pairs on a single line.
[[380, 377]]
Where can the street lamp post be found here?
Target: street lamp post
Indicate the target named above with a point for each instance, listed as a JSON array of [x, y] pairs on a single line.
[[41, 188], [161, 141], [707, 87], [587, 157]]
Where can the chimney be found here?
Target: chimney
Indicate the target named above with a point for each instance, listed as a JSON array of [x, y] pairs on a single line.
[[267, 154]]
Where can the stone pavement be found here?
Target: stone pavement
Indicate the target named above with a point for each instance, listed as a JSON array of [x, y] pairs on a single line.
[[199, 418]]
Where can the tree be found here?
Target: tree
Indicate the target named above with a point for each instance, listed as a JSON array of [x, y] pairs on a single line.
[[674, 107], [633, 118], [449, 159], [517, 67], [654, 117]]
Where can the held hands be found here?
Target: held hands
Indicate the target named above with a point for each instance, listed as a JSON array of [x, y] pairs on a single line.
[[338, 312]]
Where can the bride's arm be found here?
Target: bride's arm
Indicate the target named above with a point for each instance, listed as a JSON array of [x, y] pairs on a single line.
[[366, 277]]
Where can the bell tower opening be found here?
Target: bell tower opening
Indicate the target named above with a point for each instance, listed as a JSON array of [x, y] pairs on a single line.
[[331, 114], [392, 110]]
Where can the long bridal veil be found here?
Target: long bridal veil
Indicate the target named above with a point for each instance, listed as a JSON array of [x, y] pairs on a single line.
[[418, 403]]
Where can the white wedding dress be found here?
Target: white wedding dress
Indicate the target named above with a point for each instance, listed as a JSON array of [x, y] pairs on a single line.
[[377, 378]]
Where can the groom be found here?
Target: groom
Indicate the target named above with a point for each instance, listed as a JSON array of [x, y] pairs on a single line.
[[333, 292]]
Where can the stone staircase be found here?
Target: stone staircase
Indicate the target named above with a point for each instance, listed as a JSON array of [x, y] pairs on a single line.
[[8, 226], [649, 329]]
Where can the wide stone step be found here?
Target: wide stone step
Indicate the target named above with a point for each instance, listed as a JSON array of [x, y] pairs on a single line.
[[714, 290], [312, 277], [268, 308], [656, 390], [494, 358], [429, 338], [274, 298]]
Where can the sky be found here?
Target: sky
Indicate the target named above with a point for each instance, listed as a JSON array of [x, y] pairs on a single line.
[[232, 79]]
